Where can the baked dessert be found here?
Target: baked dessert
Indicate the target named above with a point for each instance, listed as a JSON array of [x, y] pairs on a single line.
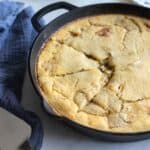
[[95, 71]]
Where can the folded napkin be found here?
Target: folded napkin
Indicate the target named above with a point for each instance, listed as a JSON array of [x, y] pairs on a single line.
[[16, 36]]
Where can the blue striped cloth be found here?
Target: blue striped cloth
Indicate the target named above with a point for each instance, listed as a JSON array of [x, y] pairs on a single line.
[[16, 36]]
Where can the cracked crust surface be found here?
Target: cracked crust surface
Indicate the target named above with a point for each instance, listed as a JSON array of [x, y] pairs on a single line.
[[96, 70]]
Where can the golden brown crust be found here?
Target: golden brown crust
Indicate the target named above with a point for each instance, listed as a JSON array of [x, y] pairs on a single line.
[[96, 70]]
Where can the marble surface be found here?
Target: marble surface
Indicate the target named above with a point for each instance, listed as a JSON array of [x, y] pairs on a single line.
[[58, 136], [13, 131]]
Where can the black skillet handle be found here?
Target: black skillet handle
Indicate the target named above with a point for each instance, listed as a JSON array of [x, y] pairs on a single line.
[[59, 5]]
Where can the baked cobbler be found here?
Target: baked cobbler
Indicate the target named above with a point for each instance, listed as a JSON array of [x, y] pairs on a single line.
[[96, 72]]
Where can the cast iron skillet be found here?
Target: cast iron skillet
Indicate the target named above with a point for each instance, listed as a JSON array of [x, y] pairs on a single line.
[[74, 13]]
